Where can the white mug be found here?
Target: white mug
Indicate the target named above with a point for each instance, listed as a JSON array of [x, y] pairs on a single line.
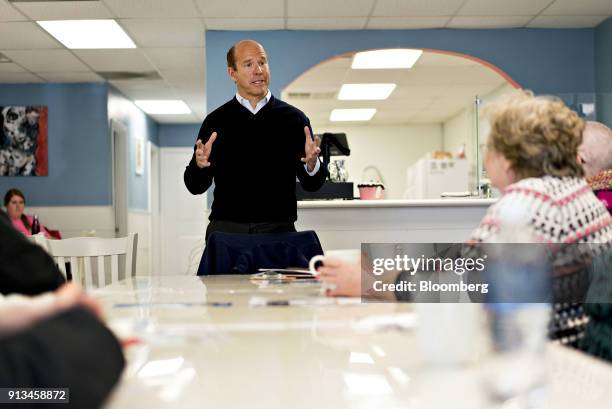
[[351, 256]]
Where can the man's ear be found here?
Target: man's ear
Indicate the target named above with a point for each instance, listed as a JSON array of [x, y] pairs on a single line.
[[232, 73]]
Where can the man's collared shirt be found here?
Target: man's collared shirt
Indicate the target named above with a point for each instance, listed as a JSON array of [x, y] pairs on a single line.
[[262, 103]]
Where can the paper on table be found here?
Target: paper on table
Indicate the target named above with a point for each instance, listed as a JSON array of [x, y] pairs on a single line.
[[292, 270]]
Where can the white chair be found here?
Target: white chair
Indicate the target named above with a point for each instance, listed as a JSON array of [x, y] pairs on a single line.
[[83, 252]]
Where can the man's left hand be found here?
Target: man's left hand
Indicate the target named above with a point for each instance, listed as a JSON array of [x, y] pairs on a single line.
[[311, 150]]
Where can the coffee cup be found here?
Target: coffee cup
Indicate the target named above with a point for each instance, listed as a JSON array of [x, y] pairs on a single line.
[[349, 255]]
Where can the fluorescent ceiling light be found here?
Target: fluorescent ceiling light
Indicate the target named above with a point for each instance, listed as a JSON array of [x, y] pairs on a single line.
[[163, 106], [365, 91], [363, 114], [380, 59], [88, 34]]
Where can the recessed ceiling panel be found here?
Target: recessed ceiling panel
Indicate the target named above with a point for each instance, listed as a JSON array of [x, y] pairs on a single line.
[[503, 7], [47, 60], [579, 8], [566, 21], [25, 36], [488, 21], [326, 8], [165, 32], [395, 23], [115, 60], [10, 13], [153, 8], [411, 8], [321, 23], [245, 23], [64, 10], [176, 58], [241, 8]]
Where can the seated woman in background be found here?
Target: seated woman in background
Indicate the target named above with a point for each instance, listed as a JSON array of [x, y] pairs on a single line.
[[14, 201]]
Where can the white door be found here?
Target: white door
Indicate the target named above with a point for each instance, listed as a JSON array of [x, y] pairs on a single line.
[[184, 216], [120, 174]]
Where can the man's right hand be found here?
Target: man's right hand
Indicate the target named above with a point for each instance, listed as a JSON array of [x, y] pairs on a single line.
[[202, 153]]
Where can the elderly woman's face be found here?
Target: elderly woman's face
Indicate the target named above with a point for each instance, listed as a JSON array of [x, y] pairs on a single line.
[[15, 207], [498, 168]]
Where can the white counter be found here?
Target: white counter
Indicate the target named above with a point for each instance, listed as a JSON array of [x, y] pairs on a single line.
[[455, 202], [348, 223]]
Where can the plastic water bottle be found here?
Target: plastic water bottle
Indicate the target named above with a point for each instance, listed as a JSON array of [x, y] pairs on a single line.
[[518, 305], [35, 225]]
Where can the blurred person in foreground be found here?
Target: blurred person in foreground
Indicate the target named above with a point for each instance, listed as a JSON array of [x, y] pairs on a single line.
[[51, 333], [14, 201], [531, 157]]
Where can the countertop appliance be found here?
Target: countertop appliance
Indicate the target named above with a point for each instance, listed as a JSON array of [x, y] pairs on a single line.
[[429, 178]]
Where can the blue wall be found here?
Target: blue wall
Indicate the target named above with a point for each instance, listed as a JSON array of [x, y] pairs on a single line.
[[547, 61], [177, 136], [139, 126], [79, 144], [80, 157], [603, 71]]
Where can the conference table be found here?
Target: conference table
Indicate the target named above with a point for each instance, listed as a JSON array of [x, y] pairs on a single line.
[[242, 342]]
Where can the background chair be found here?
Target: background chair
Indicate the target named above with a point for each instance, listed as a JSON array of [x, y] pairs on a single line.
[[87, 255], [236, 253]]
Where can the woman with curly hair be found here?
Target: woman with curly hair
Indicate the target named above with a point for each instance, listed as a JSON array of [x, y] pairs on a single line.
[[531, 157]]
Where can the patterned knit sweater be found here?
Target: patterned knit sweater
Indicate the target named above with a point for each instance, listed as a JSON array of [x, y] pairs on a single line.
[[561, 210]]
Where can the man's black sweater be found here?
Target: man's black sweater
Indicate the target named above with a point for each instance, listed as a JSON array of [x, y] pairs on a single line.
[[254, 162]]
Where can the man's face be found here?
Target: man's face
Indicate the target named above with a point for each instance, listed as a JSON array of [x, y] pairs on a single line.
[[252, 74]]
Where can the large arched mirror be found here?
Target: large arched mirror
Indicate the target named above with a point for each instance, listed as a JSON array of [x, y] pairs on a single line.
[[428, 111]]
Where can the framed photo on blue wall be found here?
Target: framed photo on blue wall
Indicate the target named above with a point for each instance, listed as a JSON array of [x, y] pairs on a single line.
[[23, 141]]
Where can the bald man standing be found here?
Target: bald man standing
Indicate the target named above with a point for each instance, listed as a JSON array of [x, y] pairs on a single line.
[[253, 147], [595, 155]]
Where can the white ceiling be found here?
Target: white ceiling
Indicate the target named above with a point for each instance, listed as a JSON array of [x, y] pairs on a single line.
[[170, 33], [436, 88]]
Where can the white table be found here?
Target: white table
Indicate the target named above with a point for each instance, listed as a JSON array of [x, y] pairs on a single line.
[[198, 352]]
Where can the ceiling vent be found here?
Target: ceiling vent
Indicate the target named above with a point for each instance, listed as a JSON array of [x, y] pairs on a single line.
[[128, 75], [311, 95]]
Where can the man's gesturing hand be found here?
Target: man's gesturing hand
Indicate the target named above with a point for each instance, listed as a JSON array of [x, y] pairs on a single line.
[[311, 150], [202, 153]]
